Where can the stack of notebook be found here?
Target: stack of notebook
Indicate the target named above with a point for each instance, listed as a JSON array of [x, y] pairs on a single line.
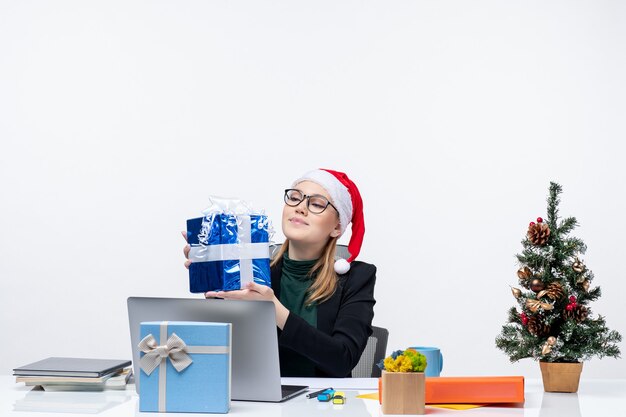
[[75, 374]]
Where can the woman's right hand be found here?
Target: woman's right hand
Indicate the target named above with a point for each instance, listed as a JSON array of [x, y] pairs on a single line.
[[186, 250]]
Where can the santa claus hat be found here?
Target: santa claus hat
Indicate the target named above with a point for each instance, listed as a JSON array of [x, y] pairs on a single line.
[[346, 198]]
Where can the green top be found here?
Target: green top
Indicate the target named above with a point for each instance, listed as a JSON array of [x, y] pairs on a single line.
[[294, 286]]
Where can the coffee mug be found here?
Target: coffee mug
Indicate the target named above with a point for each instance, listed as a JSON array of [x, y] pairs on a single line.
[[434, 359]]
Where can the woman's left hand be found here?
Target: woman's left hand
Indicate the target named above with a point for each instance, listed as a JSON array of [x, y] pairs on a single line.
[[251, 291], [254, 291]]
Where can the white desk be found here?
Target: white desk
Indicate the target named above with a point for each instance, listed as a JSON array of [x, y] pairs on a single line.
[[597, 398]]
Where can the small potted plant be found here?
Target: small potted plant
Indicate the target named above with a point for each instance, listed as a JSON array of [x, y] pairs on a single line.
[[403, 382]]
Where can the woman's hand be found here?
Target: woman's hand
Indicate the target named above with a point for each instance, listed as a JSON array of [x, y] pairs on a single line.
[[186, 250], [254, 291]]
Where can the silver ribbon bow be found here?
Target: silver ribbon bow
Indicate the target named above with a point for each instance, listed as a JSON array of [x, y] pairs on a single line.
[[175, 349]]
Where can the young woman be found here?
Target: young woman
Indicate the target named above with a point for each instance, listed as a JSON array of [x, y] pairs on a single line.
[[324, 309]]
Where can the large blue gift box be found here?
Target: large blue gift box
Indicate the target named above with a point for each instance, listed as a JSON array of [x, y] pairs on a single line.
[[185, 367], [227, 251]]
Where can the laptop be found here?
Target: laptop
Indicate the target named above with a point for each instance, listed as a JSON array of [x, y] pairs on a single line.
[[255, 374]]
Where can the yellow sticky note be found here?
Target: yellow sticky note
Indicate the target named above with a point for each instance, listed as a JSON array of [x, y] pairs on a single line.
[[457, 406], [370, 396]]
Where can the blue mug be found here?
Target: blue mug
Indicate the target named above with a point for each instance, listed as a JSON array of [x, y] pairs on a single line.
[[434, 359]]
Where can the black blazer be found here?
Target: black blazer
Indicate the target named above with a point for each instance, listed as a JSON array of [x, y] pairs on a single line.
[[344, 322]]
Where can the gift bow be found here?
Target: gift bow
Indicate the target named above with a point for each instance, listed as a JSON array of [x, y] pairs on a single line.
[[533, 305], [175, 349]]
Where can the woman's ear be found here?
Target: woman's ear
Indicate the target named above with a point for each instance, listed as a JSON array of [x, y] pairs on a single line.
[[336, 231]]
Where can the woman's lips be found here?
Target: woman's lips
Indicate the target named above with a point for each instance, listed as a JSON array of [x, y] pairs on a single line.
[[297, 220]]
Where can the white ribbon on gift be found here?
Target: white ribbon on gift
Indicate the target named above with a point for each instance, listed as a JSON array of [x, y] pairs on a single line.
[[228, 206], [174, 346], [244, 251]]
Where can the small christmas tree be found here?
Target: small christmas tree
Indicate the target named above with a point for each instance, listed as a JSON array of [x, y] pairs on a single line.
[[554, 322]]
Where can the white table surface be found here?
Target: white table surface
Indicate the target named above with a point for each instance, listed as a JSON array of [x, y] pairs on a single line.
[[602, 397]]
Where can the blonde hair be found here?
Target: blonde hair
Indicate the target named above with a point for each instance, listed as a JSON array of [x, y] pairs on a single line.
[[325, 283]]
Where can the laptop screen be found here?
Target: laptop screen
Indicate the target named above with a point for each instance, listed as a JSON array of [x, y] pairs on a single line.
[[255, 365]]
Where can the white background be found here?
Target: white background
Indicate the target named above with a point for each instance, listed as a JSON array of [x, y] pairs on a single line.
[[118, 119]]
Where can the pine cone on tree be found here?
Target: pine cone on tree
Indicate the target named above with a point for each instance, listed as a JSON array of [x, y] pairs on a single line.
[[538, 233], [554, 291], [578, 313], [536, 326]]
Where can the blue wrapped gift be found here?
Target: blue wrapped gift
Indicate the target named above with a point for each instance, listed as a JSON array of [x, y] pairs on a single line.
[[227, 251], [185, 367]]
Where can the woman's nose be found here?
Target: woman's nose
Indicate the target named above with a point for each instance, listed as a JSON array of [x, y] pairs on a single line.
[[302, 207]]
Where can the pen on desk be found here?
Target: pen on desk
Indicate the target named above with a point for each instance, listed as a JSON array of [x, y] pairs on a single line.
[[316, 393]]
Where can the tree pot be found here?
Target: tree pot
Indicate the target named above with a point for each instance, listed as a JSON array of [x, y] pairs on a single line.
[[403, 392], [560, 377]]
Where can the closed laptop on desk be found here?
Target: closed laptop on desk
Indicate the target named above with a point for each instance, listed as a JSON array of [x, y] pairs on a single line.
[[255, 365], [75, 367]]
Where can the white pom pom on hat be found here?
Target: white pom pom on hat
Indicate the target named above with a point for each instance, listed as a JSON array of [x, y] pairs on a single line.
[[341, 266], [345, 196]]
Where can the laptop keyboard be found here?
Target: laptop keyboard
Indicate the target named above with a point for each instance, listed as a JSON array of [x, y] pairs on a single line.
[[290, 390]]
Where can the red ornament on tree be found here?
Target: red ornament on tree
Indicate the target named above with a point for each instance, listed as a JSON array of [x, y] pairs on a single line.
[[524, 318], [569, 307], [539, 220], [572, 299], [531, 224]]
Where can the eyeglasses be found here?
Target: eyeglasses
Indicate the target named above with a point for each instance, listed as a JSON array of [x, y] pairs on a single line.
[[316, 204]]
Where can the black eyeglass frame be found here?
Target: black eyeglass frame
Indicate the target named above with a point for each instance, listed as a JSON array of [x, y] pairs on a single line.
[[308, 201]]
